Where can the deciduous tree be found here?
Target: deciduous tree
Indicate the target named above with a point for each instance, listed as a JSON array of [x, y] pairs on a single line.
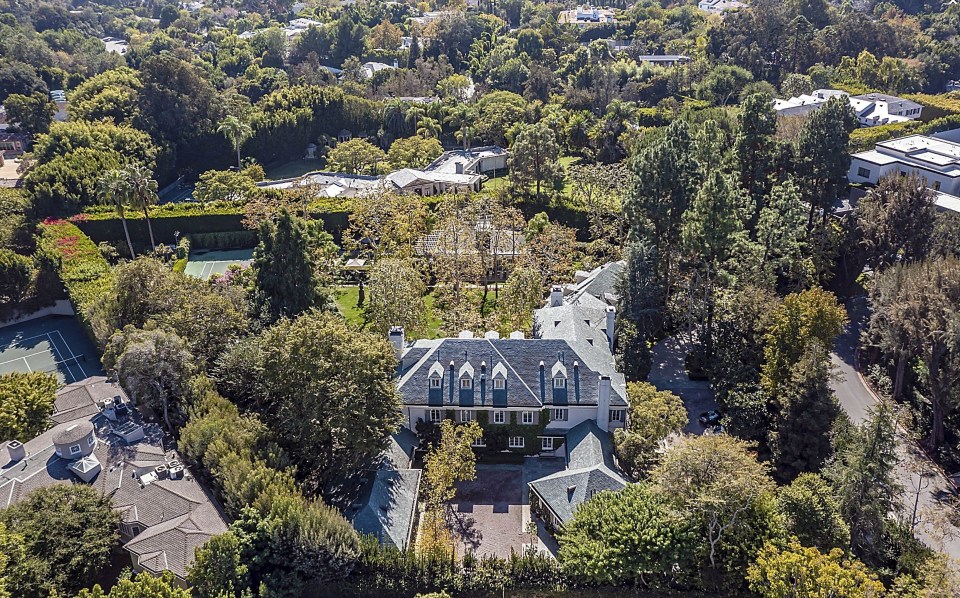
[[653, 416], [63, 562], [395, 293], [799, 572], [356, 156], [450, 461], [812, 513]]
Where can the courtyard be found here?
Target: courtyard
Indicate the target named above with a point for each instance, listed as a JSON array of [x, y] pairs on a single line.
[[491, 512]]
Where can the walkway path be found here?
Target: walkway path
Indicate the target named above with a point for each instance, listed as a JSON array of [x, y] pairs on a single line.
[[927, 492]]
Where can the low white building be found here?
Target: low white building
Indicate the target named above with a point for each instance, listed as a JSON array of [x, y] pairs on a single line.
[[935, 159], [719, 6], [586, 15], [872, 109], [115, 45]]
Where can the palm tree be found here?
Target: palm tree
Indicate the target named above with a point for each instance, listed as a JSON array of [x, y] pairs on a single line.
[[429, 127], [115, 191], [460, 116], [143, 190], [236, 131], [413, 116]]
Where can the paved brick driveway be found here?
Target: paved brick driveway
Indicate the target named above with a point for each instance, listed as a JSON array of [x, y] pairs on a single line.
[[489, 510]]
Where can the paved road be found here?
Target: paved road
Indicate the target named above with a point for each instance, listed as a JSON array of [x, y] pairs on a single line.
[[924, 485]]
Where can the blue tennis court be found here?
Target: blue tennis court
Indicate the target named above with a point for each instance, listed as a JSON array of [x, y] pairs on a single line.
[[55, 345]]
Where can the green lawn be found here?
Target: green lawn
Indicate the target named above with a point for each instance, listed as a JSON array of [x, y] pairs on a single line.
[[502, 182], [293, 169], [346, 300]]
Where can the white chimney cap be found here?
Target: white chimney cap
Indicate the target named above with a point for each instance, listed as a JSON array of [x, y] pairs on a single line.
[[491, 334], [465, 334], [516, 335]]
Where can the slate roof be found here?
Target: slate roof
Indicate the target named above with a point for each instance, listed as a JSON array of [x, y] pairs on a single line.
[[390, 506], [177, 514], [601, 282], [388, 502], [590, 469], [518, 361]]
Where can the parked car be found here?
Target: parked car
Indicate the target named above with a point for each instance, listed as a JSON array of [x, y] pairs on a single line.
[[710, 418], [711, 430]]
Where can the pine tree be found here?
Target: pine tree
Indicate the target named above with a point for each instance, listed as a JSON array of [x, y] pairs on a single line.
[[823, 158], [755, 150]]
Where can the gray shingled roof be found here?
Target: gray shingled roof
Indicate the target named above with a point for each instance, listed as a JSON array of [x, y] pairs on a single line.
[[520, 359], [590, 469], [177, 514]]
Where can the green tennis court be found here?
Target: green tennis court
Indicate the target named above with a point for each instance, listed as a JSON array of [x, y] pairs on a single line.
[[204, 264], [55, 345]]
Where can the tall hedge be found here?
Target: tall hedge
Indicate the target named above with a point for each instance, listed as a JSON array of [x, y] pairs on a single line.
[[85, 273]]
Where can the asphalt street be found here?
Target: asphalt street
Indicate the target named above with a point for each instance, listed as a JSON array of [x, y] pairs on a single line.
[[927, 493]]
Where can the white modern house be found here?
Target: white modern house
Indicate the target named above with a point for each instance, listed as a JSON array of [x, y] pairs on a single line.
[[872, 109], [719, 6], [935, 159]]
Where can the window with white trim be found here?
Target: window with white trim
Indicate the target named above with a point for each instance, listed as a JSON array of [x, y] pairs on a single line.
[[75, 449], [546, 444], [90, 441], [526, 417], [467, 416], [466, 383], [499, 417], [515, 442], [559, 414], [559, 382], [479, 443], [436, 415], [616, 415], [435, 382], [499, 383]]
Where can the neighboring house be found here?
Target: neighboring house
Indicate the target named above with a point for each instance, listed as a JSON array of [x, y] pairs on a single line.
[[388, 501], [14, 144], [479, 160], [664, 60], [586, 15], [370, 68], [59, 97], [454, 171], [550, 385], [935, 159], [429, 17], [330, 184], [98, 438], [719, 6], [873, 109], [590, 469]]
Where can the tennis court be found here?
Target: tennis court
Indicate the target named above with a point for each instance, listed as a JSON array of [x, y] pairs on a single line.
[[56, 345], [210, 263]]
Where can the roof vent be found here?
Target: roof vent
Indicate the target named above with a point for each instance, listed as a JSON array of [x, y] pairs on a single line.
[[17, 450]]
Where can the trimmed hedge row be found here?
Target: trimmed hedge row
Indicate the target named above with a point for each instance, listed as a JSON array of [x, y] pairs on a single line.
[[84, 271], [866, 138], [192, 219]]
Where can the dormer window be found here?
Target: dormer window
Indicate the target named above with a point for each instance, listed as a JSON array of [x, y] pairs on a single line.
[[434, 382], [75, 449], [559, 382], [466, 383], [499, 384]]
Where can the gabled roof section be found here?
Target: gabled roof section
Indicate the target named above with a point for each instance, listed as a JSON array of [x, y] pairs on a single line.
[[466, 370], [518, 362]]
